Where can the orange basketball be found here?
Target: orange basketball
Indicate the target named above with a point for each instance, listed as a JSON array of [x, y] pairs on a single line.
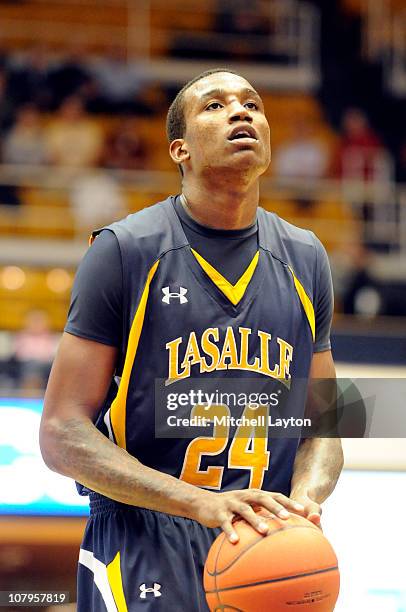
[[293, 567]]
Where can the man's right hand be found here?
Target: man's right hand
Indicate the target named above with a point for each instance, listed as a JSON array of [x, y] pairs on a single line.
[[221, 509]]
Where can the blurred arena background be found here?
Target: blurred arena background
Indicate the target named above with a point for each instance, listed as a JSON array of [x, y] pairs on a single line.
[[84, 88]]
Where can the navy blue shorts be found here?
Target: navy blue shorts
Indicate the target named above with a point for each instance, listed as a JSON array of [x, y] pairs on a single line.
[[133, 559]]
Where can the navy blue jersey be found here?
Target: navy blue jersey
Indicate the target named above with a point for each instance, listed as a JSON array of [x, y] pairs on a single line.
[[183, 320], [96, 310]]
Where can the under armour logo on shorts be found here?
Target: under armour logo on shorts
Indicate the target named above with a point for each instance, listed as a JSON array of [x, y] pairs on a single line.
[[155, 590], [180, 296]]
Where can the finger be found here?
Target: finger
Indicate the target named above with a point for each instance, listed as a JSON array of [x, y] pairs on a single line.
[[284, 502], [290, 504], [271, 503], [255, 520], [312, 508], [315, 518], [229, 530]]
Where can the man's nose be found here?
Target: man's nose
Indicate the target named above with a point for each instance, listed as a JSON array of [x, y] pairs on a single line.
[[239, 112]]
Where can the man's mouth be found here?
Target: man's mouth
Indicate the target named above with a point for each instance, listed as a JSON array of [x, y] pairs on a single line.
[[245, 134]]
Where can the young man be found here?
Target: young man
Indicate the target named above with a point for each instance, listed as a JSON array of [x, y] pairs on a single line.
[[202, 285]]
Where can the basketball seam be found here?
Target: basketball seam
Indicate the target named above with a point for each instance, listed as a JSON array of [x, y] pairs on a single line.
[[273, 580], [215, 571], [259, 539], [226, 607]]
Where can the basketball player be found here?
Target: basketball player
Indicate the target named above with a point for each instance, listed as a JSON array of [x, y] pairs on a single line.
[[204, 284]]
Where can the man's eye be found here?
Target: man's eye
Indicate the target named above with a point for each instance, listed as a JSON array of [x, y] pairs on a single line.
[[213, 106], [252, 105]]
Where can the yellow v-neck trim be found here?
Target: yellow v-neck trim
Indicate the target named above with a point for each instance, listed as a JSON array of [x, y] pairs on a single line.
[[233, 292]]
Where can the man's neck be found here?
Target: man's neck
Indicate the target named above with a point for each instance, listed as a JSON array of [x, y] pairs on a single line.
[[233, 208]]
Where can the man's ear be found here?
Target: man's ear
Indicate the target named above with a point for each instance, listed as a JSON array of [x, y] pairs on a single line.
[[178, 151]]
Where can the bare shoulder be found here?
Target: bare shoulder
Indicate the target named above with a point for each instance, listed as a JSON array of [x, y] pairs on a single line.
[[80, 376]]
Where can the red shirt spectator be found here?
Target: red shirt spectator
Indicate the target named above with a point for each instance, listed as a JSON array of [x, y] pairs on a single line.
[[360, 154]]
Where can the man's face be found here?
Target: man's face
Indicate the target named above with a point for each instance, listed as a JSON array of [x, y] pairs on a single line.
[[226, 127]]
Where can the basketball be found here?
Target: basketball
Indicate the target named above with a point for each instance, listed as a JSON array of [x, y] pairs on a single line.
[[293, 567]]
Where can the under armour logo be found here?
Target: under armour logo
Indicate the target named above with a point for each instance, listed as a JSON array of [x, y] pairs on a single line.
[[180, 296], [155, 590]]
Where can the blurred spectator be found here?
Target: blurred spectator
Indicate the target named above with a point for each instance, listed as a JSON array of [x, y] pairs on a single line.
[[28, 79], [25, 143], [360, 154], [240, 17], [241, 31], [366, 168], [9, 195], [3, 56], [349, 268], [73, 139], [120, 83], [96, 200], [34, 350], [70, 76], [6, 105], [248, 22], [402, 164], [124, 147], [304, 156]]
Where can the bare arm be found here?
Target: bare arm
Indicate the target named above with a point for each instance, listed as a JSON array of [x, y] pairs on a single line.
[[319, 461], [71, 445]]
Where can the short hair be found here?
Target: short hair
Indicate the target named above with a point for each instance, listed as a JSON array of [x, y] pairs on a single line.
[[175, 120]]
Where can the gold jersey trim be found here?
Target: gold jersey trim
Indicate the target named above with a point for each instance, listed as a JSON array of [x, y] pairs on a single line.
[[233, 292], [119, 404]]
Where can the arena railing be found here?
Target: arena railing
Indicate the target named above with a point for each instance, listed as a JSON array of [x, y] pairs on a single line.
[[291, 49], [384, 36], [396, 62], [377, 207]]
